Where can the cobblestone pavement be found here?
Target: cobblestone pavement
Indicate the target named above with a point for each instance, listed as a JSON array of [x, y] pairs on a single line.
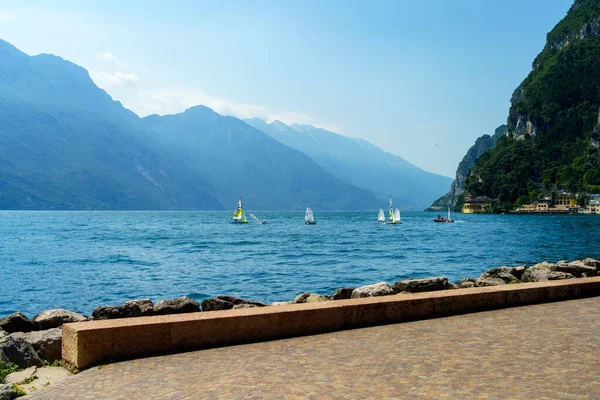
[[542, 351]]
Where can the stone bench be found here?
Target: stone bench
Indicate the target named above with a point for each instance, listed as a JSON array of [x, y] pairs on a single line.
[[86, 344]]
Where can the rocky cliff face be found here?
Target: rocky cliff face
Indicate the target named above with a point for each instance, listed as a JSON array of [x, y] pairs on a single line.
[[581, 23], [553, 135], [482, 144]]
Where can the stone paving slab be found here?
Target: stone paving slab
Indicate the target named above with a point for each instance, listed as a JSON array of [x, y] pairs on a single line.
[[542, 351]]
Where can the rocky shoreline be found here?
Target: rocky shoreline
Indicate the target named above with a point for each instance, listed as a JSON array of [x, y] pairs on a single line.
[[34, 343]]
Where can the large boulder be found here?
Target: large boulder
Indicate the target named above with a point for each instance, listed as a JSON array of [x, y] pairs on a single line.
[[467, 283], [592, 262], [7, 392], [238, 301], [559, 275], [343, 294], [16, 322], [576, 268], [46, 343], [538, 272], [115, 312], [507, 274], [227, 303], [216, 304], [377, 289], [490, 282], [131, 309], [55, 318], [316, 298], [145, 305], [301, 298], [422, 285], [180, 305], [19, 351]]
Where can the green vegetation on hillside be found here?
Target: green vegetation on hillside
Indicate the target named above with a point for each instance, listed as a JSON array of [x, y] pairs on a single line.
[[561, 98]]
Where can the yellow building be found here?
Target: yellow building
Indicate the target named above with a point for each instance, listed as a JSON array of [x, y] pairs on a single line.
[[565, 199], [477, 205], [594, 204]]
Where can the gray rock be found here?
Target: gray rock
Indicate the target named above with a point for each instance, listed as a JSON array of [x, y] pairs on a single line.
[[316, 298], [130, 310], [538, 272], [216, 304], [16, 322], [227, 303], [237, 306], [19, 351], [422, 285], [46, 343], [577, 268], [343, 294], [55, 318], [558, 275], [377, 289], [20, 376], [507, 274], [46, 376], [592, 262], [7, 393], [3, 358], [466, 284], [238, 301], [301, 298], [146, 306], [489, 282], [180, 305]]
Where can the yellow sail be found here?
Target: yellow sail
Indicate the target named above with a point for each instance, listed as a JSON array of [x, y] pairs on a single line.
[[239, 212], [391, 211]]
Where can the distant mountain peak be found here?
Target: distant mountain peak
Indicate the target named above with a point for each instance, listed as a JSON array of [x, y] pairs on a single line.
[[7, 48], [279, 125]]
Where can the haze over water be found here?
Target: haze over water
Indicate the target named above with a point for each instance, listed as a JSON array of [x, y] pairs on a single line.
[[79, 260]]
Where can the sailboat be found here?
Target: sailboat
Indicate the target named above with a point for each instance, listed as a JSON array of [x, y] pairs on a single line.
[[439, 218], [258, 221], [239, 217], [394, 217], [309, 217], [381, 217]]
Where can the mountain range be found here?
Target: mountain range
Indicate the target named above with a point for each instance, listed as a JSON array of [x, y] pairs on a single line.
[[66, 144], [361, 163]]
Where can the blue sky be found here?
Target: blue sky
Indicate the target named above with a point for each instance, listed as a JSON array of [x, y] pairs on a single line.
[[405, 75]]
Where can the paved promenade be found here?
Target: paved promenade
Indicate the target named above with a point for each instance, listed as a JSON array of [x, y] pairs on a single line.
[[542, 351]]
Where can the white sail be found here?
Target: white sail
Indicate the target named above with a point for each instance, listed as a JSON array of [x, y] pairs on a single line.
[[391, 210], [397, 215], [381, 217], [309, 216], [448, 213]]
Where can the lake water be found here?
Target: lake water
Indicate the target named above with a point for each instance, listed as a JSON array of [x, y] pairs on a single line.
[[80, 260]]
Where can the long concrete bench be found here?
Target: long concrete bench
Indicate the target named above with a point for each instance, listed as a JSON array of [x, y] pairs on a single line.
[[86, 344]]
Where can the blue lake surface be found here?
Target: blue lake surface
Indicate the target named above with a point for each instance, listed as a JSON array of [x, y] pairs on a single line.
[[82, 259]]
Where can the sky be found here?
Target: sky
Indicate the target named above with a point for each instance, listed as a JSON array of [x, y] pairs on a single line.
[[420, 79]]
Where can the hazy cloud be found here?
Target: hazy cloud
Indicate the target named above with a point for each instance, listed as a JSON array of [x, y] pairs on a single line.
[[110, 58], [108, 81]]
